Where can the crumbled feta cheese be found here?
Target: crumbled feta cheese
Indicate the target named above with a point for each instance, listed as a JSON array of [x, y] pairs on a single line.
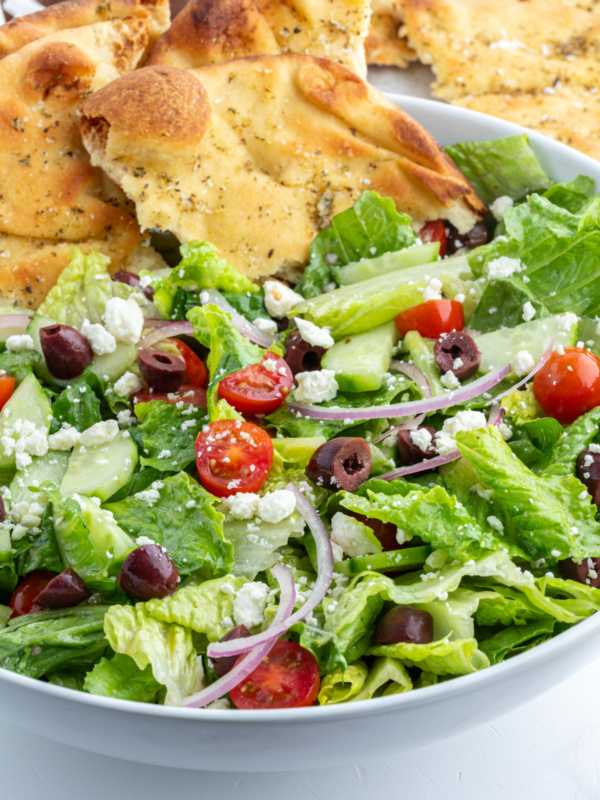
[[523, 363], [449, 380], [24, 440], [567, 321], [463, 421], [150, 496], [269, 364], [19, 341], [503, 267], [349, 534], [142, 540], [460, 297], [318, 337], [243, 505], [499, 206], [316, 387], [100, 433], [64, 439], [433, 290], [496, 523], [421, 438], [128, 384], [280, 299], [249, 604], [528, 311], [123, 319], [125, 418], [101, 341], [265, 325], [276, 506]]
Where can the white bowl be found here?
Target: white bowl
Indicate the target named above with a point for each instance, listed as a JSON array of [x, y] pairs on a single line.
[[256, 741]]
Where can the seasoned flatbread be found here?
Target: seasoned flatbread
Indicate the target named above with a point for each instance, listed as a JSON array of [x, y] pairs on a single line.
[[51, 195], [79, 13], [384, 45], [256, 155], [482, 46], [208, 32], [570, 116]]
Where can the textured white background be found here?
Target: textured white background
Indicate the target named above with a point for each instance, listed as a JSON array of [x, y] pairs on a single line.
[[548, 749]]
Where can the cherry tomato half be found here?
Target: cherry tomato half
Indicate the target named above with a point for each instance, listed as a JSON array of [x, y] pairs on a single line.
[[287, 678], [7, 387], [190, 395], [434, 231], [259, 388], [432, 318], [195, 371], [568, 384], [233, 456], [22, 600]]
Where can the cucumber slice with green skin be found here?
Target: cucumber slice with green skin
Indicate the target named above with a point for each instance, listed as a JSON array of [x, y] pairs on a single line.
[[102, 469], [500, 347], [361, 361], [421, 354], [50, 467], [360, 307], [105, 535], [28, 403], [388, 262], [392, 559]]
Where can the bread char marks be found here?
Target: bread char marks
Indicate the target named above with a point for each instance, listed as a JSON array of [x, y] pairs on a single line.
[[261, 185]]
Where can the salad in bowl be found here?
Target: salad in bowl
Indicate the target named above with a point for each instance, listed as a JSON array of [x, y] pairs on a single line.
[[224, 495]]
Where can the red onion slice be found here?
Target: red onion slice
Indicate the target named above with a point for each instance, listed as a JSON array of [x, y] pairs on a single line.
[[166, 332], [16, 321], [457, 397], [245, 327], [416, 375], [543, 358], [245, 667], [320, 589], [410, 425]]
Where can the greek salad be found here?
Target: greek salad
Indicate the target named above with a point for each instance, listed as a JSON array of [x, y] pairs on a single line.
[[219, 494]]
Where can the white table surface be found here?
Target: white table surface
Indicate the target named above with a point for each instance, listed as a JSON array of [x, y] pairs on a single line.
[[548, 749]]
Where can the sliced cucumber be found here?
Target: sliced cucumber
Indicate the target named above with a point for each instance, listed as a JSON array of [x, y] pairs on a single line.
[[112, 365], [420, 352], [362, 306], [50, 467], [361, 361], [388, 262], [110, 542], [102, 469], [392, 559], [500, 347], [28, 403]]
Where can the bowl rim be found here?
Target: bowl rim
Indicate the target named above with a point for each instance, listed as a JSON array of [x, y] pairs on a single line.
[[459, 685]]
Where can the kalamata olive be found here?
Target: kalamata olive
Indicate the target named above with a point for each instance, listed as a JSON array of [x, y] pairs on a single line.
[[163, 372], [2, 509], [478, 235], [342, 463], [131, 279], [404, 624], [63, 591], [302, 356], [587, 572], [147, 572], [409, 452], [587, 470], [457, 352], [222, 665], [66, 351], [384, 531]]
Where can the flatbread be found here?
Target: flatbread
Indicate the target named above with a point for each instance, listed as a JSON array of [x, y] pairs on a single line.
[[79, 13], [569, 116], [384, 45], [51, 195], [206, 32], [191, 151], [478, 47]]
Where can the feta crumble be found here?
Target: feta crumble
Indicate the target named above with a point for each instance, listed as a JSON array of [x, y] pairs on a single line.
[[349, 534], [503, 267], [280, 299], [64, 439], [250, 603], [276, 506], [18, 342], [128, 384], [243, 505], [318, 337], [100, 433], [523, 363], [123, 319], [499, 206], [101, 341], [316, 387]]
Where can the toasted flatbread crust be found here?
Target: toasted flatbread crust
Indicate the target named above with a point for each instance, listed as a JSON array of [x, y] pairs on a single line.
[[79, 13], [191, 151], [384, 45], [569, 116], [51, 195], [482, 46], [211, 31]]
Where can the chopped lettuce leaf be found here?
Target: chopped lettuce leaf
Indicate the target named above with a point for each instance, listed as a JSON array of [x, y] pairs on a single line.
[[501, 305], [120, 677], [561, 459], [343, 684], [370, 228], [179, 514], [168, 435], [79, 403], [255, 542], [511, 641], [575, 195], [534, 441], [500, 167], [19, 365], [456, 657]]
